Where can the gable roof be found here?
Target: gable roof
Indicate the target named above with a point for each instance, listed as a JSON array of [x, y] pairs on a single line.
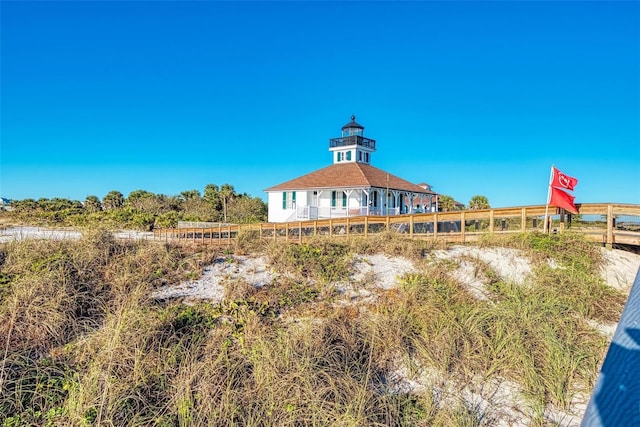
[[349, 175]]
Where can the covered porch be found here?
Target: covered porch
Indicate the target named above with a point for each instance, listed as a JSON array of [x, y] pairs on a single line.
[[347, 202]]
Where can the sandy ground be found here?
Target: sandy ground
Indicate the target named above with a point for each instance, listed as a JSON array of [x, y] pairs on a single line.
[[26, 232], [382, 271]]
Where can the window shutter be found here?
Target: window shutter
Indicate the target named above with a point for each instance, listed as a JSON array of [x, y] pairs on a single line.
[[284, 200], [333, 199], [344, 199]]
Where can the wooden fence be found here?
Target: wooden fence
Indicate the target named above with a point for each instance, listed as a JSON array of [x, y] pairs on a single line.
[[601, 222]]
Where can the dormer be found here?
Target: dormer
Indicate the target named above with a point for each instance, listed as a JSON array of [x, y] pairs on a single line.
[[352, 146]]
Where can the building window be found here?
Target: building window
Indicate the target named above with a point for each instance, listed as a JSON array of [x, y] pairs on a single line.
[[366, 157], [359, 156], [288, 200], [348, 156], [334, 199]]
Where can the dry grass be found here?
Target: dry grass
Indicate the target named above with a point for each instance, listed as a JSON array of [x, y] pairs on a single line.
[[84, 344]]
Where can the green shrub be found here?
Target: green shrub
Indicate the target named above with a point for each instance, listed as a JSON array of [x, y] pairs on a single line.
[[322, 260]]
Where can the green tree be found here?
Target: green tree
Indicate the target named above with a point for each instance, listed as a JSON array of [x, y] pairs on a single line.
[[169, 203], [245, 209], [446, 203], [479, 202], [146, 201], [113, 200], [167, 220], [92, 204], [192, 204]]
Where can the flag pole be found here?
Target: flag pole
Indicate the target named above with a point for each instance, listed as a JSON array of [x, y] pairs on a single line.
[[545, 228]]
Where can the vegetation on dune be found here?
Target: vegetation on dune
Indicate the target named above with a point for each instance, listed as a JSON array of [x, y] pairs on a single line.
[[84, 342], [142, 209]]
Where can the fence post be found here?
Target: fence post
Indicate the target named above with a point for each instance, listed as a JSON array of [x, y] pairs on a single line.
[[463, 226], [609, 244], [435, 225], [523, 218], [411, 225], [366, 226], [300, 232], [491, 221]]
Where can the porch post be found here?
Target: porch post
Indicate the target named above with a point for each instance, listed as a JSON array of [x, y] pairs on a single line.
[[348, 192], [366, 205]]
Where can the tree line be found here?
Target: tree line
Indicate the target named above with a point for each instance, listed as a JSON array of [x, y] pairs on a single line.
[[448, 203], [145, 210]]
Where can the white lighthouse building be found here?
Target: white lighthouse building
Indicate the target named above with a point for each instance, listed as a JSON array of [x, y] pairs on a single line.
[[348, 187]]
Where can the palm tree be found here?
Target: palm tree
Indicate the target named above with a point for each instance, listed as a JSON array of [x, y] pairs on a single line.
[[212, 196], [479, 202], [446, 203], [190, 195], [227, 192]]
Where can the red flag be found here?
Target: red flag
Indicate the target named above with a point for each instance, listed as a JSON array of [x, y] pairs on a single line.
[[562, 199], [561, 180]]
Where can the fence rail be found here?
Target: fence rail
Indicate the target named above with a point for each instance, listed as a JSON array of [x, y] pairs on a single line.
[[597, 221]]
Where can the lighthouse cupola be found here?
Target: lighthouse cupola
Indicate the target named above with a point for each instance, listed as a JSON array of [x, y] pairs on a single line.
[[352, 146]]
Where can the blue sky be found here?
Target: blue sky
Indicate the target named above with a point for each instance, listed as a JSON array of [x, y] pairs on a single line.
[[470, 97]]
